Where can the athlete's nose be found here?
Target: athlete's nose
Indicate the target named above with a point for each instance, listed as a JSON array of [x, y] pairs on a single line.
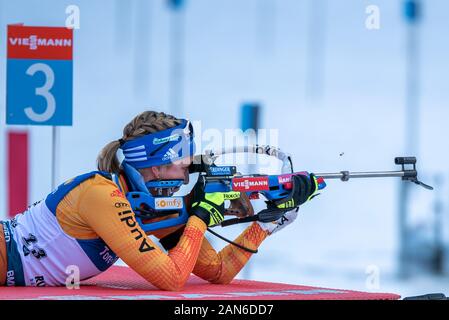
[[186, 176]]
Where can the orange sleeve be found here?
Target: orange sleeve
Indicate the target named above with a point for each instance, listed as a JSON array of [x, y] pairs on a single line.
[[222, 267], [108, 213]]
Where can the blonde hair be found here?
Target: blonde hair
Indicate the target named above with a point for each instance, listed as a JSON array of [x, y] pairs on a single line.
[[144, 123]]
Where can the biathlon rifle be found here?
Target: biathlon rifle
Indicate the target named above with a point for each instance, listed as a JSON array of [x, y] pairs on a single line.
[[219, 178]]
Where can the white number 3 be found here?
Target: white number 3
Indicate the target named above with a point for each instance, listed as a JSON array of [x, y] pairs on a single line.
[[44, 92]]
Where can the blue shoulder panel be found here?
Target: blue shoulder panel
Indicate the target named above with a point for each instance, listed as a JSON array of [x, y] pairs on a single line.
[[62, 190], [96, 249]]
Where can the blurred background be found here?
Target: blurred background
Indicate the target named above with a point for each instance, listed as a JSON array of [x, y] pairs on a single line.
[[348, 85]]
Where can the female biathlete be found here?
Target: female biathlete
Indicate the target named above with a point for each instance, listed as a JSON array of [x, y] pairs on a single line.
[[87, 221]]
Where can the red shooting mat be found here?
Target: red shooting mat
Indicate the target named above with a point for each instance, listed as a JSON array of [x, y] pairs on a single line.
[[119, 283]]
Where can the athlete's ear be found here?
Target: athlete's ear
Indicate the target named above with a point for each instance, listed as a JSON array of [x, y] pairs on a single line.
[[150, 173], [156, 172]]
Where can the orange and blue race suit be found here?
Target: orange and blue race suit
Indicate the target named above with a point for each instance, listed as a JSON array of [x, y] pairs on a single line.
[[87, 223]]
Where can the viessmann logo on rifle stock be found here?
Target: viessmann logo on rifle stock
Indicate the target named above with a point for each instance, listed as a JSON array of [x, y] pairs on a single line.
[[250, 184]]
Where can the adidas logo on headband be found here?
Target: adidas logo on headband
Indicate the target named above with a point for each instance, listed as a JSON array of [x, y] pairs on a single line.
[[170, 154]]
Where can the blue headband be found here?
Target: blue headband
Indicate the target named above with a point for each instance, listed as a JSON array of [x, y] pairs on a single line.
[[159, 148]]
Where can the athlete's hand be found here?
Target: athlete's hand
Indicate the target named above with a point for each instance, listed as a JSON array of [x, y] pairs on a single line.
[[209, 207], [286, 219], [304, 189]]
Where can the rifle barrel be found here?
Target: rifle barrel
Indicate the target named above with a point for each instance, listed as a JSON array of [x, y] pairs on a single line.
[[346, 175]]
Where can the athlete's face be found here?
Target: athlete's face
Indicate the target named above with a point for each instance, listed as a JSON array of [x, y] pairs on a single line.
[[177, 170]]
